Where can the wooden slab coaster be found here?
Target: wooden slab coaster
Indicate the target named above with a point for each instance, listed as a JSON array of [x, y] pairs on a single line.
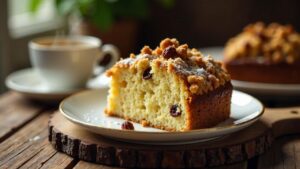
[[255, 140]]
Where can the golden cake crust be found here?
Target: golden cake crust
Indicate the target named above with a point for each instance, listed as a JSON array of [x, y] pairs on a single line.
[[202, 89], [273, 43], [202, 73], [264, 53]]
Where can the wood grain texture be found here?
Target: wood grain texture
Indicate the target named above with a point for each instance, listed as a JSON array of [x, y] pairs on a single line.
[[88, 165], [29, 148], [15, 112], [77, 142], [284, 154]]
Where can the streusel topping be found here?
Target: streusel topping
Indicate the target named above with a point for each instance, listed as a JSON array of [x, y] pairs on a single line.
[[273, 43], [202, 73]]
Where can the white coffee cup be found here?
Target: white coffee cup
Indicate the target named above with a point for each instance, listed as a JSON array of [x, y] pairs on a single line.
[[69, 62]]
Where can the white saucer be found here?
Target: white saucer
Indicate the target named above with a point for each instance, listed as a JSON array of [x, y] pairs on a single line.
[[87, 110], [28, 83]]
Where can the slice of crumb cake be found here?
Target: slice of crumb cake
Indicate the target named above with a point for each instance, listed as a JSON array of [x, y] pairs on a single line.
[[172, 88]]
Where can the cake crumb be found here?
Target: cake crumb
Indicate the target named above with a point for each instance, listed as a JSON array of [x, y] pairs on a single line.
[[146, 50], [182, 50], [132, 55], [168, 42], [145, 123], [127, 125]]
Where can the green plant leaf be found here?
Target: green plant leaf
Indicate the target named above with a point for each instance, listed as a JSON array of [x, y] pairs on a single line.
[[102, 15], [65, 7], [34, 5], [84, 6]]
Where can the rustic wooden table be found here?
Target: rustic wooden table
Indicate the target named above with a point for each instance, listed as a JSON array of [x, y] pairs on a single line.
[[24, 141]]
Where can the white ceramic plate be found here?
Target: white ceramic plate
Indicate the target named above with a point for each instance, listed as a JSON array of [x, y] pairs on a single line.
[[28, 83], [285, 91], [267, 89], [87, 110]]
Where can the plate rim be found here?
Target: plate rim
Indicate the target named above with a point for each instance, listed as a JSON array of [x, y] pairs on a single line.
[[266, 86], [84, 124]]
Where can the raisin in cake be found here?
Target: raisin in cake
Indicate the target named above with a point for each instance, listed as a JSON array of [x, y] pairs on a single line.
[[172, 88], [264, 53]]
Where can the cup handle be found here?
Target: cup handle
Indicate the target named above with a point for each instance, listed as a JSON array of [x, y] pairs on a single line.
[[113, 51]]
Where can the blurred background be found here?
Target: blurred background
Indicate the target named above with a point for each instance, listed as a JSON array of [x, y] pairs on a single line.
[[130, 24]]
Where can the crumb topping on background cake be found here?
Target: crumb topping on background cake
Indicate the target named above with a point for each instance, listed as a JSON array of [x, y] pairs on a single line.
[[202, 73], [273, 43]]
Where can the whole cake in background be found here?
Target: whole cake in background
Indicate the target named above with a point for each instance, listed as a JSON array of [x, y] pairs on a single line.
[[172, 87], [264, 53]]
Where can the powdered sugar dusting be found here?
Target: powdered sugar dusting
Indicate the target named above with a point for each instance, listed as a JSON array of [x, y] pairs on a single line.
[[185, 69], [191, 71]]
